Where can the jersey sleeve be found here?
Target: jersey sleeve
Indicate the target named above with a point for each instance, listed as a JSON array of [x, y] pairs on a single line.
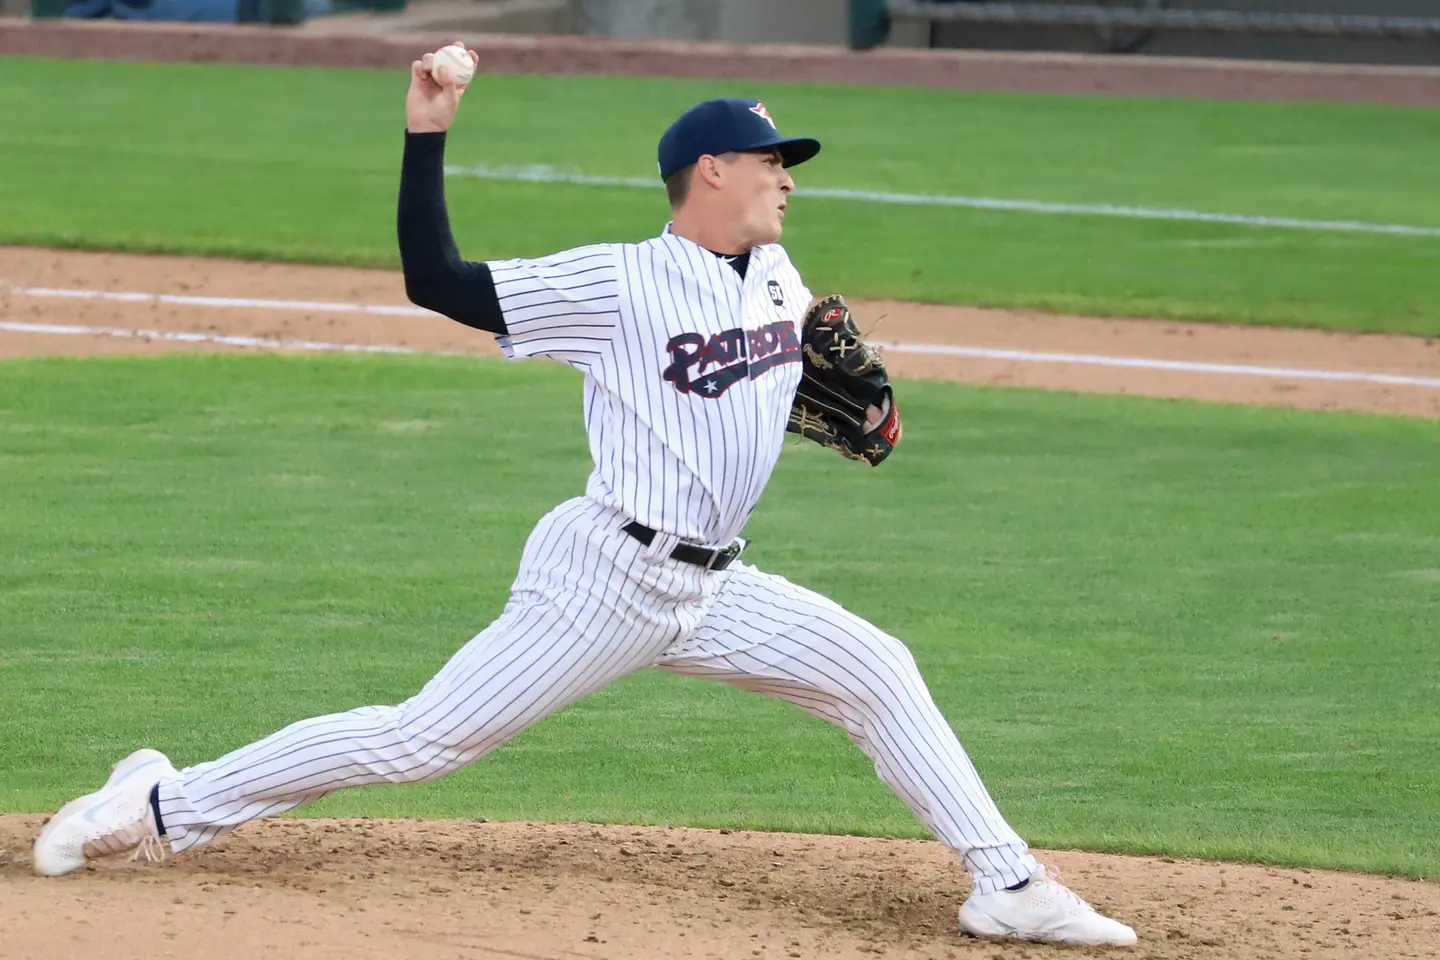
[[564, 306]]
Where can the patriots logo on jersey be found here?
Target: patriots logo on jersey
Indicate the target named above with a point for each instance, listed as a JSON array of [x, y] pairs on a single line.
[[708, 366]]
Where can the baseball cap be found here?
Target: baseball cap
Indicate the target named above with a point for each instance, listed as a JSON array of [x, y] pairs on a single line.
[[725, 125]]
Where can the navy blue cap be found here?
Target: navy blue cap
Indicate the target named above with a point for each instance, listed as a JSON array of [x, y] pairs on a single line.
[[722, 126]]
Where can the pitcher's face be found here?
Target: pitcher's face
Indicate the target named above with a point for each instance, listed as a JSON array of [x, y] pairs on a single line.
[[757, 187]]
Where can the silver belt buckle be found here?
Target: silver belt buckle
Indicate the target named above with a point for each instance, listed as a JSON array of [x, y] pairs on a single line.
[[730, 551]]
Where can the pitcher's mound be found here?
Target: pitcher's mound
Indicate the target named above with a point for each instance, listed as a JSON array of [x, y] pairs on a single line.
[[311, 889]]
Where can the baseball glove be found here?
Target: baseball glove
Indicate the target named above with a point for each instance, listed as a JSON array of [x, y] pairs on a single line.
[[845, 401]]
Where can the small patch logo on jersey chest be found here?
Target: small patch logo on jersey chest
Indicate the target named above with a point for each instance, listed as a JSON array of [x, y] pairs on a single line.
[[777, 297]]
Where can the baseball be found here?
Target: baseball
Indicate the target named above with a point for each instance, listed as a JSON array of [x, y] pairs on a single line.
[[456, 60]]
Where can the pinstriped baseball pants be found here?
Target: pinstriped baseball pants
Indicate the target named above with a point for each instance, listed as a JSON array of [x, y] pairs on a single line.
[[589, 605]]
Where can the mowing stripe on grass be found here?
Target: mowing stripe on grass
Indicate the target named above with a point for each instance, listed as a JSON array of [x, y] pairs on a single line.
[[544, 174], [988, 353]]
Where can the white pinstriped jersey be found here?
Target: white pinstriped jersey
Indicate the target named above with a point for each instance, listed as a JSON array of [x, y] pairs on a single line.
[[690, 370]]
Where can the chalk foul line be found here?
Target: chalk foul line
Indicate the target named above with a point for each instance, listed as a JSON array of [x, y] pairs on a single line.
[[1232, 369], [545, 174], [188, 336], [270, 343], [183, 300]]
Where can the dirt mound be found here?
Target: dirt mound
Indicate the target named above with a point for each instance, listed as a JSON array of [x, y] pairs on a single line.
[[311, 889]]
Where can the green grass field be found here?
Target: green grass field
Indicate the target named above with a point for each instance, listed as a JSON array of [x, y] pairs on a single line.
[[1158, 626], [303, 164]]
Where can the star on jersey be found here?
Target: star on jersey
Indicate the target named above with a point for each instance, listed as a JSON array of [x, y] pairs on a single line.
[[709, 366]]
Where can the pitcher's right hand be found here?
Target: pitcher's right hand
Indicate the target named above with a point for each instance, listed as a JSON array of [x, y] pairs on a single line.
[[430, 105]]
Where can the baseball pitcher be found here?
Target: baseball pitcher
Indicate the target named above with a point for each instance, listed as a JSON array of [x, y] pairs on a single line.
[[700, 348]]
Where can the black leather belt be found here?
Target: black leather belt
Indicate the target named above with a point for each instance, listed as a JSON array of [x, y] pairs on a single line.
[[689, 552]]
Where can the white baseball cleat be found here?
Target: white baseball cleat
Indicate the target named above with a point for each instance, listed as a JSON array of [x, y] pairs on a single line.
[[112, 820], [1043, 910]]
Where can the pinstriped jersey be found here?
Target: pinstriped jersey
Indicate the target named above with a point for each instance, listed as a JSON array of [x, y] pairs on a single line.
[[690, 370]]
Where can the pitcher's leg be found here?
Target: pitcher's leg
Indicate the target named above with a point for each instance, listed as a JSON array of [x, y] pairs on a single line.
[[525, 666], [770, 636], [586, 607]]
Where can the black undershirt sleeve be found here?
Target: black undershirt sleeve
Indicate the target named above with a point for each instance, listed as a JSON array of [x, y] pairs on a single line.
[[436, 277]]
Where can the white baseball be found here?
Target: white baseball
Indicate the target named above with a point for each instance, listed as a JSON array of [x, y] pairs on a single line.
[[457, 61]]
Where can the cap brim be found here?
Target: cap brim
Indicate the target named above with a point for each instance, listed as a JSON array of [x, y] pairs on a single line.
[[798, 150], [793, 150]]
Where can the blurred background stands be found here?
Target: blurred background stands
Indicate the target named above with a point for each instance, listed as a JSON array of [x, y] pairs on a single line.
[[1360, 31], [1357, 31]]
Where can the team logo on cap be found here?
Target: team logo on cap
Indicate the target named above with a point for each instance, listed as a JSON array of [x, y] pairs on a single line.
[[760, 111]]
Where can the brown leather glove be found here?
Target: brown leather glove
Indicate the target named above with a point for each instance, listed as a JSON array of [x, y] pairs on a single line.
[[845, 401]]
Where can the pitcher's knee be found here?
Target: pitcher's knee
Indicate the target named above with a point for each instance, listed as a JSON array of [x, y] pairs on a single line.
[[891, 662], [425, 752], [892, 692], [877, 645], [416, 759], [430, 762]]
